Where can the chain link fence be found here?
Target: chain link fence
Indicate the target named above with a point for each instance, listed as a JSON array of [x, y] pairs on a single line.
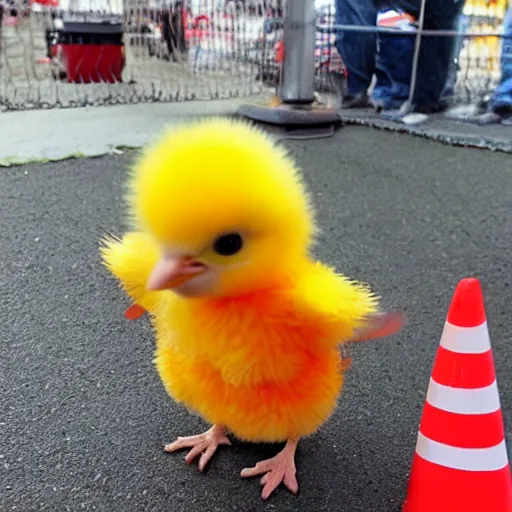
[[78, 54], [66, 53]]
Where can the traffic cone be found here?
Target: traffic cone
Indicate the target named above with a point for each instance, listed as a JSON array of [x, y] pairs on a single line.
[[461, 462]]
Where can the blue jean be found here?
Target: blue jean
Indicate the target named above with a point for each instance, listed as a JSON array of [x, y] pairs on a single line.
[[394, 62], [389, 56], [502, 97], [357, 49], [436, 53]]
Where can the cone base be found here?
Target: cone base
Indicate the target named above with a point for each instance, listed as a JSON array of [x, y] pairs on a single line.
[[434, 488]]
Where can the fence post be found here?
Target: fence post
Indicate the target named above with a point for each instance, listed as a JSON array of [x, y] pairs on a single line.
[[296, 105], [408, 105], [299, 52]]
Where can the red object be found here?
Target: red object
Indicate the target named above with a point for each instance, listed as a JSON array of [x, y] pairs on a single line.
[[201, 17], [461, 462], [92, 63], [279, 51], [467, 307], [198, 30], [134, 311], [49, 3]]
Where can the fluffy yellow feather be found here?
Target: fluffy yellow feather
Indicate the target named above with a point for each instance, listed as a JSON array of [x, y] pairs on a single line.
[[249, 325]]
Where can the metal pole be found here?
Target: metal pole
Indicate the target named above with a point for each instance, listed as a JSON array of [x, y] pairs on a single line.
[[385, 30], [299, 52], [409, 104], [297, 108]]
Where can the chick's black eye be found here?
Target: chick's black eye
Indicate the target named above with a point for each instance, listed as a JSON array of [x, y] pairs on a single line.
[[228, 245]]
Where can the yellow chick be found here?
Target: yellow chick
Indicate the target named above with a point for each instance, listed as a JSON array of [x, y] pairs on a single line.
[[247, 323]]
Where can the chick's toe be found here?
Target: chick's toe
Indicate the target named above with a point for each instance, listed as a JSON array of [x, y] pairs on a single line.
[[204, 444], [277, 470]]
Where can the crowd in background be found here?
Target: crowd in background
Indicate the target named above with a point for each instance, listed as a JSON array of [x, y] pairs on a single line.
[[382, 62], [379, 64]]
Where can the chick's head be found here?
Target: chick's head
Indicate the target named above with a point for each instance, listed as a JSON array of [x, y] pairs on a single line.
[[227, 207]]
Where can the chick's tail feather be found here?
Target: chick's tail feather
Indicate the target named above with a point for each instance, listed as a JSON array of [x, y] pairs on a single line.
[[379, 325], [131, 260]]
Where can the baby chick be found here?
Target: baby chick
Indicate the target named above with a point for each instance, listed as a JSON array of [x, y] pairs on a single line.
[[247, 324]]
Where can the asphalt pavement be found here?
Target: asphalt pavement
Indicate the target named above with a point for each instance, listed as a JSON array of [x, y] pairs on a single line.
[[84, 416]]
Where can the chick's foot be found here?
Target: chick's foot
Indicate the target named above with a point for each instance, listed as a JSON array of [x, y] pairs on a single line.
[[280, 468], [205, 445]]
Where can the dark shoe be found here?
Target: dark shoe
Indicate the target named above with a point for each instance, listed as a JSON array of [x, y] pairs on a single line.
[[359, 100], [432, 108], [503, 110], [385, 104]]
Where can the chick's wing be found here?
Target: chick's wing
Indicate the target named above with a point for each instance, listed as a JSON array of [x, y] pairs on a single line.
[[338, 306], [131, 260]]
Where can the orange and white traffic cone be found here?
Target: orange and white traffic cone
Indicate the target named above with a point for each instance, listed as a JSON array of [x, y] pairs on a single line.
[[461, 462]]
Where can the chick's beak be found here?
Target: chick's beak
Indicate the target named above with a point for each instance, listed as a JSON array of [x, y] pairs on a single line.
[[174, 271]]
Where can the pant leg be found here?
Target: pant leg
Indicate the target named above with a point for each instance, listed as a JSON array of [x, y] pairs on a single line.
[[502, 97], [166, 31], [1, 22], [436, 52], [357, 49], [394, 60], [382, 92]]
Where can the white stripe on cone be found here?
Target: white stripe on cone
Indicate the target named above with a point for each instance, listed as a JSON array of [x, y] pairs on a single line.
[[484, 400], [467, 459], [466, 340]]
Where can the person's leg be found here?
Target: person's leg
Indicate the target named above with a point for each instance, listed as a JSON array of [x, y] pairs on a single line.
[[436, 54], [382, 91], [394, 61], [166, 31], [357, 49], [501, 102], [1, 22]]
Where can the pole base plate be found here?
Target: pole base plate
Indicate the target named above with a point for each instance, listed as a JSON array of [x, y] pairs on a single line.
[[299, 121]]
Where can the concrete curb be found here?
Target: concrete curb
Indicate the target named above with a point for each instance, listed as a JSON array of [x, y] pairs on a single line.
[[57, 134], [442, 129]]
